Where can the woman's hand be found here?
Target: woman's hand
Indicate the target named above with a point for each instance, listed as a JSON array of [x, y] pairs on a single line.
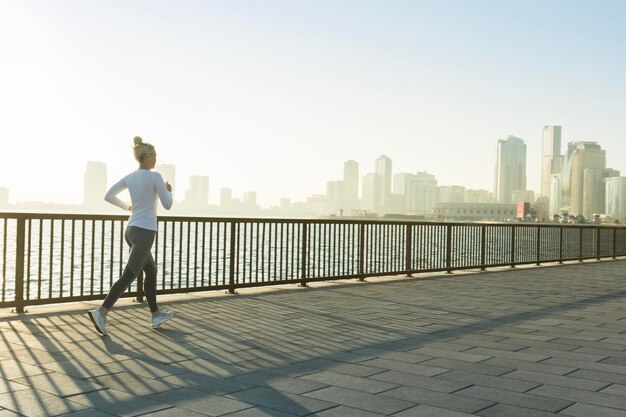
[[168, 186]]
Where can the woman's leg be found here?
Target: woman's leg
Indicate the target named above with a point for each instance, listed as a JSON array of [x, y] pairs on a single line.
[[140, 241], [149, 282]]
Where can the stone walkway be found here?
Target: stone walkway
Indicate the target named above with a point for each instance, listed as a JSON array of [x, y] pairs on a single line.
[[526, 342]]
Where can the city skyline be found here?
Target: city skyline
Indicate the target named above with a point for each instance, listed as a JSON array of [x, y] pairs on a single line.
[[275, 96]]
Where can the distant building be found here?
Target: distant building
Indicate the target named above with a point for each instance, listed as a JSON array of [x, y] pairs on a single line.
[[419, 191], [334, 195], [226, 198], [373, 186], [552, 159], [527, 196], [351, 186], [479, 196], [197, 195], [616, 198], [510, 172], [586, 179], [383, 168], [475, 211], [555, 195], [451, 194], [249, 200], [95, 185], [4, 196]]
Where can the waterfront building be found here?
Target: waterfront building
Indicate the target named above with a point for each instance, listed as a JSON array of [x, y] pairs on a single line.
[[351, 186], [197, 196], [479, 196], [249, 200], [510, 170], [555, 195], [383, 169], [551, 158], [95, 185], [419, 192], [527, 196], [616, 198], [334, 195], [451, 194], [226, 199], [373, 186], [475, 211], [586, 179]]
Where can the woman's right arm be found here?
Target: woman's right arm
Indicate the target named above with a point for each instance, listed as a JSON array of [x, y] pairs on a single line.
[[111, 195]]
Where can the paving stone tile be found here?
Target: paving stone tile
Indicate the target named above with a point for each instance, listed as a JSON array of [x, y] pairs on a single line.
[[587, 410], [429, 411], [374, 353], [31, 402], [413, 368], [277, 382], [261, 412], [133, 384], [361, 369], [10, 386], [200, 402], [563, 381], [357, 399], [343, 411], [514, 398], [548, 367], [522, 355], [295, 404], [436, 384], [12, 369], [459, 356], [506, 410], [82, 370], [575, 356], [479, 368], [576, 395], [470, 378], [595, 366], [90, 412], [118, 402], [615, 389], [59, 384], [437, 399], [368, 385]]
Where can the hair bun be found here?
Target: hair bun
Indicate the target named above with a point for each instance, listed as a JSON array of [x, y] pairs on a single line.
[[137, 141]]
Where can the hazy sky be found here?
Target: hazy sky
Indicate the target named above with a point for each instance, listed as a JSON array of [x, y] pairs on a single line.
[[273, 96]]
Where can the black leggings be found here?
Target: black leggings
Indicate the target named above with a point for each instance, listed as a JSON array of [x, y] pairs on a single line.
[[140, 242]]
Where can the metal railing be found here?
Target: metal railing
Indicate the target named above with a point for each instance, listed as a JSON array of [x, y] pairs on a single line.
[[54, 258]]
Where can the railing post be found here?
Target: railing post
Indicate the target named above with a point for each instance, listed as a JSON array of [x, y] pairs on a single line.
[[361, 270], [449, 249], [614, 243], [483, 247], [19, 265], [512, 246], [305, 237], [561, 244], [409, 248], [231, 274], [538, 245], [598, 243], [580, 247]]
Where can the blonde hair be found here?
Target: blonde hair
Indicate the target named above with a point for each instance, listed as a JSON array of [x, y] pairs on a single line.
[[141, 148]]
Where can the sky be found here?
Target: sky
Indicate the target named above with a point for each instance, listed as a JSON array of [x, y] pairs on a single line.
[[274, 96]]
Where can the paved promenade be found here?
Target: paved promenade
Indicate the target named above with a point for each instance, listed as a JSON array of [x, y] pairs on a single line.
[[526, 342]]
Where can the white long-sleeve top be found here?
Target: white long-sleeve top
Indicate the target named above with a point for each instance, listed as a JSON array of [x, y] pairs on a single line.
[[143, 186]]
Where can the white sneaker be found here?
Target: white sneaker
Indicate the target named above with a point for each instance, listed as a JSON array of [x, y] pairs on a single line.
[[99, 320], [161, 318]]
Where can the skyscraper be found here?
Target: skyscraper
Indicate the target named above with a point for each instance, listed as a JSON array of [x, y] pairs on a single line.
[[586, 179], [616, 197], [372, 193], [95, 185], [419, 191], [334, 194], [510, 172], [551, 157], [351, 185], [383, 168], [197, 195]]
